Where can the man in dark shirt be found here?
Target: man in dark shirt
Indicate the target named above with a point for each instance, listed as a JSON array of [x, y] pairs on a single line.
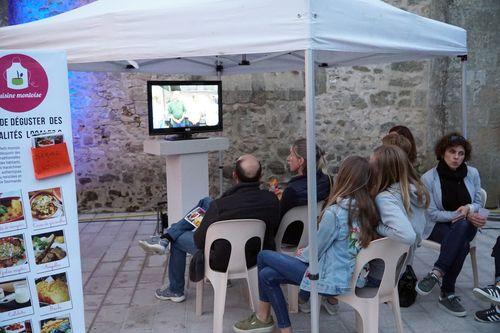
[[243, 201]]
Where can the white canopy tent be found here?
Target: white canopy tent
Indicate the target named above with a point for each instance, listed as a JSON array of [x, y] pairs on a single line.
[[214, 37]]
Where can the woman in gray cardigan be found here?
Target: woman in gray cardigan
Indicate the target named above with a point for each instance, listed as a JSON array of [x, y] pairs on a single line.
[[455, 192], [401, 199]]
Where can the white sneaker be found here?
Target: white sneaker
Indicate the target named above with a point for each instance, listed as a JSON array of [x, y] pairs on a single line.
[[154, 245], [305, 307], [332, 309]]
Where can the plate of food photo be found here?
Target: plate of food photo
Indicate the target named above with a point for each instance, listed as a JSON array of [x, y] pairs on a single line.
[[12, 251], [49, 247], [45, 205], [58, 325], [15, 328], [11, 209], [52, 290]]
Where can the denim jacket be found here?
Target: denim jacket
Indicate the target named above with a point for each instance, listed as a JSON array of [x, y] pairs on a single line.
[[436, 212], [338, 248]]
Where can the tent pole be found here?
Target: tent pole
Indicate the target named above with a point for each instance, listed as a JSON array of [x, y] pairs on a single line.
[[311, 186], [463, 60], [220, 153]]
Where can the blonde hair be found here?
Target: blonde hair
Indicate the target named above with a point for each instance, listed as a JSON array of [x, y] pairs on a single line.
[[299, 148], [390, 165], [395, 139]]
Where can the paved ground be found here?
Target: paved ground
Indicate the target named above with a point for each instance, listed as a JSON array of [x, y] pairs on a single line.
[[119, 281]]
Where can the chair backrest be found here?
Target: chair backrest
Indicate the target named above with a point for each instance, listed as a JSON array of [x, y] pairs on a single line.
[[298, 213], [484, 197], [392, 253], [237, 233]]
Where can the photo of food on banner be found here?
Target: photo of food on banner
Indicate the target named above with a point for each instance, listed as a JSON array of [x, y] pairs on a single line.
[[56, 324], [11, 207], [47, 206], [52, 289], [14, 295], [47, 140], [49, 247], [18, 327], [274, 186], [12, 251]]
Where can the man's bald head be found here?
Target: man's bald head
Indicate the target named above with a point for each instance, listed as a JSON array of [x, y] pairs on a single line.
[[248, 169]]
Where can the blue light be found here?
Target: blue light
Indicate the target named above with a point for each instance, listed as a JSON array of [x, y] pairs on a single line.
[[24, 11]]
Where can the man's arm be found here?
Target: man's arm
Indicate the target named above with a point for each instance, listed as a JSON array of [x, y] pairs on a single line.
[[210, 217]]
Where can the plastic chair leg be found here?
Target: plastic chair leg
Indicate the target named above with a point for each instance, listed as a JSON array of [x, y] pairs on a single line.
[[253, 289], [199, 297], [220, 288], [396, 309], [293, 298], [473, 260], [367, 318]]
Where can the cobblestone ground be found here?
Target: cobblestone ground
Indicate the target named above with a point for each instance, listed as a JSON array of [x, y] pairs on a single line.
[[119, 282]]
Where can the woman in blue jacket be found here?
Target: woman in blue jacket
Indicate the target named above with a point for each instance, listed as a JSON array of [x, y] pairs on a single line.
[[347, 224], [455, 190]]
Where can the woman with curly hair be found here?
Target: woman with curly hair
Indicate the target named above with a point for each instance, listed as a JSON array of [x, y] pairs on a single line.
[[455, 190]]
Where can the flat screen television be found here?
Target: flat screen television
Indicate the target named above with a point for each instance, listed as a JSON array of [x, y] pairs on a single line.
[[184, 107]]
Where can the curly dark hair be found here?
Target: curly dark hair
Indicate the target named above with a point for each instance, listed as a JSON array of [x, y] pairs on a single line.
[[452, 139]]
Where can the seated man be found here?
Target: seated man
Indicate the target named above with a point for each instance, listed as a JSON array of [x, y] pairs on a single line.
[[243, 201], [491, 293]]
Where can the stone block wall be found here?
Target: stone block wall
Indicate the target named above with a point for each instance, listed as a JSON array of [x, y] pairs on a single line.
[[265, 113]]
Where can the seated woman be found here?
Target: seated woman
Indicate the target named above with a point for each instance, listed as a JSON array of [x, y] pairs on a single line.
[[401, 199], [347, 224], [455, 190], [295, 194]]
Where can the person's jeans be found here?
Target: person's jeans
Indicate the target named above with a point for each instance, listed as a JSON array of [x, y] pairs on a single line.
[[177, 229], [454, 239], [183, 245], [276, 269], [181, 239]]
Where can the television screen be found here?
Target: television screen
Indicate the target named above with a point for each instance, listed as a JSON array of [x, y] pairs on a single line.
[[184, 107]]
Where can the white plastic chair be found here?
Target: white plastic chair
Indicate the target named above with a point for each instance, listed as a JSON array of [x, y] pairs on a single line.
[[237, 233], [366, 300], [472, 246], [298, 213]]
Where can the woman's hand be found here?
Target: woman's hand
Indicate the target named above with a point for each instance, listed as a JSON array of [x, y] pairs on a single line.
[[299, 251], [477, 220], [463, 210]]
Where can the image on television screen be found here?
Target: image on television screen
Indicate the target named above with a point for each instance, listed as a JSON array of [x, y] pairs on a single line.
[[184, 105]]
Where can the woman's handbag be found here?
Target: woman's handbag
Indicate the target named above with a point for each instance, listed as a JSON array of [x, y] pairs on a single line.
[[197, 266], [406, 287]]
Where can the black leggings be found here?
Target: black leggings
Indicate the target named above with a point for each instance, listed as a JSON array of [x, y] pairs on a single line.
[[495, 253]]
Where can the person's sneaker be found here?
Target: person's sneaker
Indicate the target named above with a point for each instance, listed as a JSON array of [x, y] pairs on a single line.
[[305, 307], [490, 294], [451, 304], [254, 325], [154, 245], [424, 286], [331, 308], [166, 295], [491, 315]]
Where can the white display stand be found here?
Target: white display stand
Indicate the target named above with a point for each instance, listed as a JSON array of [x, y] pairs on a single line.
[[187, 170]]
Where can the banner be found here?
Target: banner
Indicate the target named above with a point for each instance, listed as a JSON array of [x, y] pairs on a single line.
[[40, 269]]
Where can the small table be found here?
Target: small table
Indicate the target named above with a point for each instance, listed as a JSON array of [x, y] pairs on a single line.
[[187, 170]]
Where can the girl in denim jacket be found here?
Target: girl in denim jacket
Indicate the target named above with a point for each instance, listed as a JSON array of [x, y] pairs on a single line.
[[346, 225]]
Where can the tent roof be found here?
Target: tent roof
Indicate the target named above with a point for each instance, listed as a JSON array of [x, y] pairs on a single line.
[[189, 36]]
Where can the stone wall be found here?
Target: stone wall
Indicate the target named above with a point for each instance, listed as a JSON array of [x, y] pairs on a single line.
[[264, 113]]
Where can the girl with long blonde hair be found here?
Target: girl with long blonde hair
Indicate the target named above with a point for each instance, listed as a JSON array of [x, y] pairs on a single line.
[[347, 225]]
